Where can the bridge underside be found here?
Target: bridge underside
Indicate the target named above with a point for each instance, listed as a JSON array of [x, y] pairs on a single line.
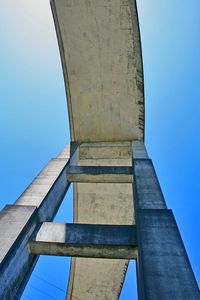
[[100, 50], [101, 203], [108, 163]]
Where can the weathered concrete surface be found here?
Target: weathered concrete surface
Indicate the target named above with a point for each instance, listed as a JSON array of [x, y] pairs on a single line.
[[101, 203], [147, 191], [101, 151], [101, 56], [164, 271], [96, 174], [86, 240], [18, 222], [139, 150], [49, 185], [146, 187]]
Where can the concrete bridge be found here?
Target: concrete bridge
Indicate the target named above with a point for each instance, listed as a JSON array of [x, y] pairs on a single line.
[[119, 209], [102, 63]]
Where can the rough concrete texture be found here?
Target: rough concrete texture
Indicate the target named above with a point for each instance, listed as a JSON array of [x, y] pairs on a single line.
[[103, 151], [101, 56], [164, 269], [48, 187], [18, 222], [101, 203], [147, 191], [85, 240], [97, 174], [139, 150]]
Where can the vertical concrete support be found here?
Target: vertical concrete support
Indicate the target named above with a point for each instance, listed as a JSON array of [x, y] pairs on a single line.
[[164, 270], [18, 222], [147, 188]]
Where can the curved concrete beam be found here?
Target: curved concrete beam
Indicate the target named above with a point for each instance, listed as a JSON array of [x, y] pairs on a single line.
[[100, 50]]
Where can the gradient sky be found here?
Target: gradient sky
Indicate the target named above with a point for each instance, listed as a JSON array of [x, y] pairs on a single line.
[[34, 124]]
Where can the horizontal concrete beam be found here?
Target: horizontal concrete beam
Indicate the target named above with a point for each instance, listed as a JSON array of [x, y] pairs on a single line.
[[99, 174], [103, 150], [86, 240]]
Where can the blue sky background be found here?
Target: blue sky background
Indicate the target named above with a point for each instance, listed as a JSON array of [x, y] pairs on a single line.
[[34, 125]]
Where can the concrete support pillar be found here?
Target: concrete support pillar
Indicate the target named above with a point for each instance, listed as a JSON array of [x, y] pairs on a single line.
[[164, 270], [18, 222]]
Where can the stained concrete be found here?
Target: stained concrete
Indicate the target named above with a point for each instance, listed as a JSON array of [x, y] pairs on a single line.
[[148, 193], [138, 150], [86, 240], [102, 151], [164, 270], [97, 174], [101, 56], [100, 50], [101, 203], [163, 267], [18, 222]]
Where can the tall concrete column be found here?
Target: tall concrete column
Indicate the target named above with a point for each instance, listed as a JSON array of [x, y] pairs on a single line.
[[164, 270], [18, 222]]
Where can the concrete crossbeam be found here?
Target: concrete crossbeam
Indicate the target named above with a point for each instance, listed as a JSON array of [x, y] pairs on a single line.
[[86, 240], [99, 174], [105, 150], [164, 270]]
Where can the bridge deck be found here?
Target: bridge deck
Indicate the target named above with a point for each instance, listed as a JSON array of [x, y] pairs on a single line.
[[100, 51]]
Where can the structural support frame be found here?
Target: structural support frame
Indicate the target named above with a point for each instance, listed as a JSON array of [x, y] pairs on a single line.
[[163, 268]]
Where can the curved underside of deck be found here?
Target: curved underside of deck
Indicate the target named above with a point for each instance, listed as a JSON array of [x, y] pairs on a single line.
[[101, 56], [100, 51]]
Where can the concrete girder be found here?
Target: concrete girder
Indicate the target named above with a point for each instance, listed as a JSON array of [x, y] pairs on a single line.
[[94, 174], [86, 240], [100, 50]]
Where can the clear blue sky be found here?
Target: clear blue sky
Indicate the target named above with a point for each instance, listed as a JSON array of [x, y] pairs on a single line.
[[34, 125]]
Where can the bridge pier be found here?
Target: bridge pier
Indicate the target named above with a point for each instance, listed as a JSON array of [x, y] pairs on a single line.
[[19, 222], [163, 267]]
